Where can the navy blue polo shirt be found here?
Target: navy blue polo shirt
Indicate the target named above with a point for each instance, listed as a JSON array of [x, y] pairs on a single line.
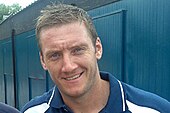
[[4, 108], [123, 98]]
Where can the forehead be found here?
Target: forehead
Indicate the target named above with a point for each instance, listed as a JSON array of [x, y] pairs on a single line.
[[65, 35], [79, 27]]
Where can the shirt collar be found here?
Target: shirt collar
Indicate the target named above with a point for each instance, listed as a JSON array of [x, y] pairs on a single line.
[[115, 99], [57, 101]]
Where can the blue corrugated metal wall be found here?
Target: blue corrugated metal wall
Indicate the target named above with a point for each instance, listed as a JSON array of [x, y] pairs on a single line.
[[112, 26], [146, 43], [6, 73], [2, 92], [33, 80]]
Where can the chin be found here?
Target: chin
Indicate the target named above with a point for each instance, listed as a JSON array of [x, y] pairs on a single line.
[[75, 93]]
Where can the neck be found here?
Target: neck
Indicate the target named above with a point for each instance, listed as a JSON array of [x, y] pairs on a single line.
[[92, 102]]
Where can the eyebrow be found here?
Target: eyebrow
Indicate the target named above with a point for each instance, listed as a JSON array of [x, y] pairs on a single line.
[[78, 45], [49, 52]]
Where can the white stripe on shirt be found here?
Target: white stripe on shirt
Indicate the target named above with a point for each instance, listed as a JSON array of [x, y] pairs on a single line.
[[42, 107], [139, 109]]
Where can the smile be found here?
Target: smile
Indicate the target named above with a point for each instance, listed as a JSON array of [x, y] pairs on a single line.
[[73, 77]]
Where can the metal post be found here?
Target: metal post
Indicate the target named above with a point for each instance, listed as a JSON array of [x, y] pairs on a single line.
[[123, 58], [14, 69]]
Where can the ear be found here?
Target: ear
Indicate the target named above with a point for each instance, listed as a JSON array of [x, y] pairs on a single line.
[[42, 61], [99, 49]]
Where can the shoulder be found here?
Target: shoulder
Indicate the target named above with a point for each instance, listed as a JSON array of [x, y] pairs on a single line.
[[38, 101], [4, 108], [138, 97]]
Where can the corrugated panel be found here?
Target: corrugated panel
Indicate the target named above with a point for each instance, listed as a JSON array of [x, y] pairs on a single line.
[[149, 29], [22, 68], [36, 74], [2, 86], [111, 37], [8, 73], [31, 76], [147, 43]]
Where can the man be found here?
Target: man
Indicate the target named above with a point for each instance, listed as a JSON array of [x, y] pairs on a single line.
[[4, 108], [69, 50]]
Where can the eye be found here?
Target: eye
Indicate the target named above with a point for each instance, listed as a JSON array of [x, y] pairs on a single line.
[[54, 56]]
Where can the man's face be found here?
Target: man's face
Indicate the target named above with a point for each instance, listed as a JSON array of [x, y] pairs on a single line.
[[71, 58]]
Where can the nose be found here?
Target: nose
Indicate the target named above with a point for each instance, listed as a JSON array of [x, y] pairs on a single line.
[[68, 64]]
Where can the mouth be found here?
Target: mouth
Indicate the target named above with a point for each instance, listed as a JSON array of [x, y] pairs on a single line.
[[74, 77]]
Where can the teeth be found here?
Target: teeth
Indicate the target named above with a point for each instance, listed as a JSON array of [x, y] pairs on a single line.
[[72, 78]]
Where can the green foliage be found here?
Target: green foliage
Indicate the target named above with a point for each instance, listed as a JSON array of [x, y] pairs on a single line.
[[8, 10], [14, 8]]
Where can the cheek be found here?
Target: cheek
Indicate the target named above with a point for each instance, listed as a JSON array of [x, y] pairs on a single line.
[[54, 76], [88, 61], [53, 70], [85, 59]]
